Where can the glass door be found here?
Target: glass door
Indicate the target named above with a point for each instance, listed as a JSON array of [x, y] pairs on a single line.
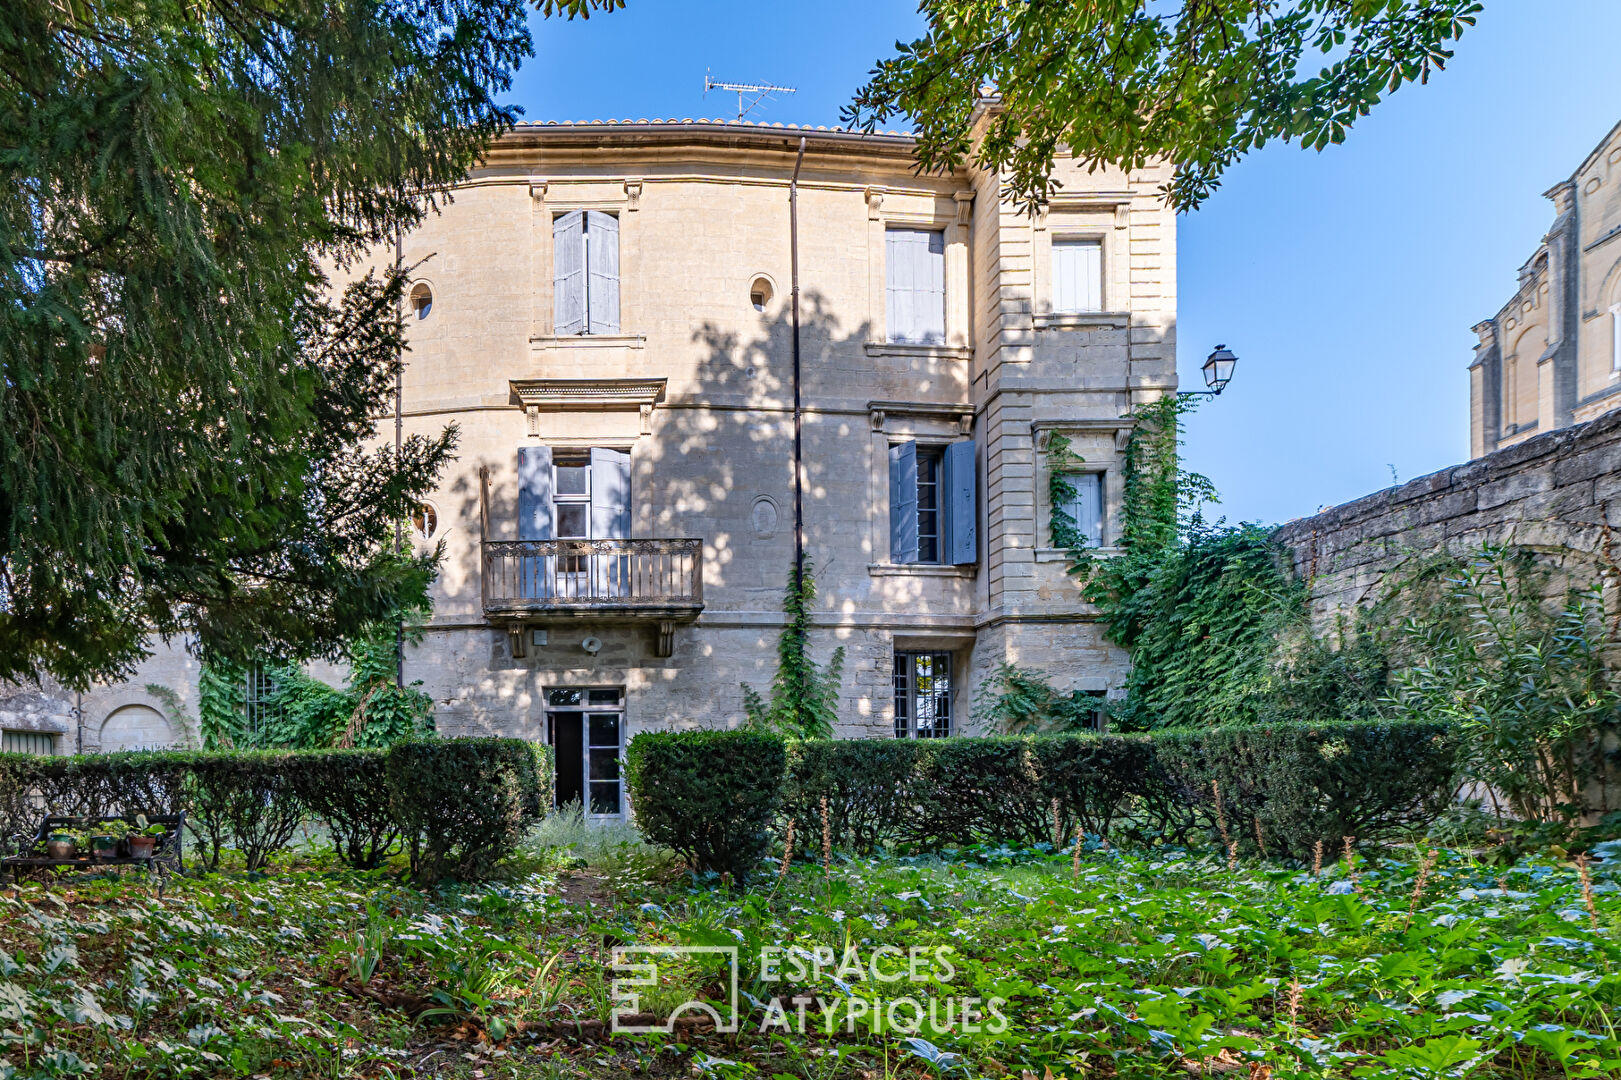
[[585, 728]]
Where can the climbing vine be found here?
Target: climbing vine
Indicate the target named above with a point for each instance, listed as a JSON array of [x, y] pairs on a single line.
[[804, 695]]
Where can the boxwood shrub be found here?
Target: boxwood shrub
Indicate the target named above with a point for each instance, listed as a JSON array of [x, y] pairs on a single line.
[[459, 804], [709, 795]]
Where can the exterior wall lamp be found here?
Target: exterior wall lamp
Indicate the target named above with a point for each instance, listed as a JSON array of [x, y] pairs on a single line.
[[1218, 372]]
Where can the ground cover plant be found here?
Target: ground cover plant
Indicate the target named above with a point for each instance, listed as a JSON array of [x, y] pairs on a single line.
[[1421, 963]]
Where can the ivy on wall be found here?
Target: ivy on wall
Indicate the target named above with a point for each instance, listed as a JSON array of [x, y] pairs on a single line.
[[804, 695]]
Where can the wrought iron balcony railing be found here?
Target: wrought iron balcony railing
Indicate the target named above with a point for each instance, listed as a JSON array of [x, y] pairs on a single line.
[[653, 579]]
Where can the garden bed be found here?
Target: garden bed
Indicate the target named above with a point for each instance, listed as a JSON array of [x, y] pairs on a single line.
[[1111, 964]]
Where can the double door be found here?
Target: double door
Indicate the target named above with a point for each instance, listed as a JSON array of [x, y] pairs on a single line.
[[586, 730]]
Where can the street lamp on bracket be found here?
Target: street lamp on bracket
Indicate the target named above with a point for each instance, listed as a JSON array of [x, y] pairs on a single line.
[[1218, 372]]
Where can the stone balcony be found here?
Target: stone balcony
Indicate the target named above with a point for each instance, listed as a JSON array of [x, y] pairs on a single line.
[[548, 581]]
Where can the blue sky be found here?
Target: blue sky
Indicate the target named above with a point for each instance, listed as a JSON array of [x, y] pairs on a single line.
[[1345, 281]]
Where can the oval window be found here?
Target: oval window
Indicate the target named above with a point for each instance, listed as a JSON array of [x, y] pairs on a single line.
[[425, 521], [421, 299], [760, 293]]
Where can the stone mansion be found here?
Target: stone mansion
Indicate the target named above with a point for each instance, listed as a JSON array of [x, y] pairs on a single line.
[[1551, 357], [605, 311]]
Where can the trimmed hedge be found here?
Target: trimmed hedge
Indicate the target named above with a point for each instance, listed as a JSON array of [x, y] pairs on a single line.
[[1302, 783], [462, 804], [459, 804], [709, 795]]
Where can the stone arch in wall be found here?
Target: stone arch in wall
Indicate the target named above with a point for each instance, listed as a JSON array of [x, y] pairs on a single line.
[[137, 727], [1520, 376]]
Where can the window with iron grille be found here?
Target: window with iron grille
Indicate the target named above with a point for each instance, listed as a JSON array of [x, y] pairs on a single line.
[[27, 742], [261, 710], [922, 695]]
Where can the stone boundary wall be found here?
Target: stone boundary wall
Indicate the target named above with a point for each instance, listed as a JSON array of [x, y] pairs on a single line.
[[1558, 494]]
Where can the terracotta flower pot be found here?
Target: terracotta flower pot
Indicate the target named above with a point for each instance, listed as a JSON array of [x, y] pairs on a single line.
[[142, 847], [60, 849]]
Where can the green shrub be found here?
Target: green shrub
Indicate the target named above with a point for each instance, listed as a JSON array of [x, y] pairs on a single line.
[[867, 784], [347, 791], [708, 795], [246, 799], [86, 785], [1099, 779], [1306, 783], [461, 804]]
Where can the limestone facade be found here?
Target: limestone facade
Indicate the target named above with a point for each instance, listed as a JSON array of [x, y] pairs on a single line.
[[691, 380], [1552, 356]]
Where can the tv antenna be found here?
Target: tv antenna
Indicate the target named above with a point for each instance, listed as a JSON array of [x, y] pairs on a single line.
[[761, 92]]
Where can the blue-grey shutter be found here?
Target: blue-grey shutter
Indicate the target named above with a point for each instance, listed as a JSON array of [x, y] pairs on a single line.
[[915, 285], [602, 263], [568, 273], [1089, 507], [903, 503], [610, 494], [534, 493], [610, 519], [961, 518]]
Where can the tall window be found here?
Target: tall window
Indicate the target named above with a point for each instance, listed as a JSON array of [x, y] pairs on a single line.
[[259, 701], [585, 272], [1077, 276], [932, 514], [1085, 506], [915, 286], [922, 695]]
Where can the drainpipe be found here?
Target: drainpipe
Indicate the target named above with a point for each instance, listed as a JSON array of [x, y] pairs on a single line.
[[799, 471], [399, 444]]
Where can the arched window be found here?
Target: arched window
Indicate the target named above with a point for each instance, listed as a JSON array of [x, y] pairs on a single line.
[[421, 299]]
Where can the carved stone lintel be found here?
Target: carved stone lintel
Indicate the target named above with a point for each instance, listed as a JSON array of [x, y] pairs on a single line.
[[665, 647], [515, 635], [633, 193]]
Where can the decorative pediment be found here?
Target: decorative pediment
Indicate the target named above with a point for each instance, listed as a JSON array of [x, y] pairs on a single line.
[[587, 393], [576, 394]]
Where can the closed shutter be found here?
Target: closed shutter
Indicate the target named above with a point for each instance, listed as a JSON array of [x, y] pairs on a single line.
[[903, 503], [960, 545], [602, 262], [1089, 507], [1077, 276], [915, 286], [568, 273], [534, 493]]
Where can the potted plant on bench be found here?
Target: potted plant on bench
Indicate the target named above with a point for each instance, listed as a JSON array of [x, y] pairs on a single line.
[[105, 839], [143, 842], [62, 845]]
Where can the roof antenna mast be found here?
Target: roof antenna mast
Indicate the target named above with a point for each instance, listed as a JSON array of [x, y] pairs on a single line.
[[761, 92]]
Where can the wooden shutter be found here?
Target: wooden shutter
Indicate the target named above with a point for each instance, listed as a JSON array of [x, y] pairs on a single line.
[[1089, 507], [534, 493], [915, 286], [602, 263], [903, 503], [610, 494], [1077, 276], [960, 519], [568, 273]]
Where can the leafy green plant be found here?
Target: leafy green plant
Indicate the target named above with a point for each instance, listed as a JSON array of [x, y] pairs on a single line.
[[804, 695], [1524, 679], [1017, 701], [709, 795], [461, 804]]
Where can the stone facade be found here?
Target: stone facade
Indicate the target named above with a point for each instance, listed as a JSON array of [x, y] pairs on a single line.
[[693, 381], [1558, 494], [1552, 356]]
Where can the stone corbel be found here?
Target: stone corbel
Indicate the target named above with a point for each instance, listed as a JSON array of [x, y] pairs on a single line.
[[647, 417], [515, 635], [633, 193], [532, 411], [875, 201], [965, 206], [965, 423], [537, 190], [876, 419], [664, 648], [1122, 215]]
